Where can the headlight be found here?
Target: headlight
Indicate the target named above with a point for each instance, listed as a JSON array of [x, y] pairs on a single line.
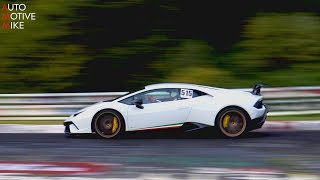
[[74, 115]]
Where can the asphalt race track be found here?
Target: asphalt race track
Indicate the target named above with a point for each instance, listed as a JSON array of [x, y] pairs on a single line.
[[193, 156]]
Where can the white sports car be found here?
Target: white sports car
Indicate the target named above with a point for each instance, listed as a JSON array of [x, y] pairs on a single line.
[[173, 105]]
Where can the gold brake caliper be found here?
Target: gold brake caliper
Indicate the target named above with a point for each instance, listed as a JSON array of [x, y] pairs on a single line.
[[226, 120], [115, 125]]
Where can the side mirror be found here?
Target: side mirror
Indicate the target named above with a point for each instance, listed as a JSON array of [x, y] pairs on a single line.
[[138, 103]]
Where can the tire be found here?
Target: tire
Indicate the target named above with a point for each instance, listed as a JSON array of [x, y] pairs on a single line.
[[232, 122], [108, 124]]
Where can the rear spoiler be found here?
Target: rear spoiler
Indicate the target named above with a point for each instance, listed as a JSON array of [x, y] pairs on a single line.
[[256, 89]]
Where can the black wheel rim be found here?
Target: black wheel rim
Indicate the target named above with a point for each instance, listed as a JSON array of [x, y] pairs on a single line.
[[232, 123], [108, 125]]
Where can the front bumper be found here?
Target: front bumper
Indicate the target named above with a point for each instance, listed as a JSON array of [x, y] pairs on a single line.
[[67, 127], [79, 124]]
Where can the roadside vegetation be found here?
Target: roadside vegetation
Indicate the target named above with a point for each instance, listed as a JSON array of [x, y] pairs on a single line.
[[78, 46]]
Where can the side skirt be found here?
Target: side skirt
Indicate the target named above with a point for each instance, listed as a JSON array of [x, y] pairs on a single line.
[[186, 127]]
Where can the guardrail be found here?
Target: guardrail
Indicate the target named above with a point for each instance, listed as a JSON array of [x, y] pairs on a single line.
[[292, 100], [58, 106], [48, 106]]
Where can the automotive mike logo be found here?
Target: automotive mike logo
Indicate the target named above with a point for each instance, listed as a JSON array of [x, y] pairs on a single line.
[[14, 16]]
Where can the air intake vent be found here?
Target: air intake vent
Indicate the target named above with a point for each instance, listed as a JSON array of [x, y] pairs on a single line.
[[258, 104]]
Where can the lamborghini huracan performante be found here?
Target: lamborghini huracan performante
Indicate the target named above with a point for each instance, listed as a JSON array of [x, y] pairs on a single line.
[[173, 105]]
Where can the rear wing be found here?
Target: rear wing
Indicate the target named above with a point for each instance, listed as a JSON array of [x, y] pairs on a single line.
[[256, 89]]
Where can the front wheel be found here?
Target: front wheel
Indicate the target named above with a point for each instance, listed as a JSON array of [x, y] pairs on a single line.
[[108, 124], [232, 122]]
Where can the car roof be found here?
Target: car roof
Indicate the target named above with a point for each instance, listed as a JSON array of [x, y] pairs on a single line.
[[178, 85]]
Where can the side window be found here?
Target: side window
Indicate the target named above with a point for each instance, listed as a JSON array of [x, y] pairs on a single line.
[[154, 96], [164, 95], [127, 100], [197, 93], [158, 95], [186, 93], [190, 93]]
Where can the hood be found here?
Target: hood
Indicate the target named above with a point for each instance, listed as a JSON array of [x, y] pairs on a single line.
[[92, 106]]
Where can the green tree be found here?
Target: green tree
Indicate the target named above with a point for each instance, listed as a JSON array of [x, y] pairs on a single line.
[[276, 40], [192, 62], [280, 49]]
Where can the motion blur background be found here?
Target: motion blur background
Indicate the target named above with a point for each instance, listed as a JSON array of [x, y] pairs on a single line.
[[119, 46], [79, 46]]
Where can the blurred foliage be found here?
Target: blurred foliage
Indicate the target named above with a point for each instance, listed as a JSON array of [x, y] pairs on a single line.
[[38, 58], [192, 62], [123, 45], [275, 41], [280, 49]]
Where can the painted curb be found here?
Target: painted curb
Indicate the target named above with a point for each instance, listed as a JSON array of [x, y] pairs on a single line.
[[50, 168], [291, 126], [192, 173], [268, 126], [24, 128]]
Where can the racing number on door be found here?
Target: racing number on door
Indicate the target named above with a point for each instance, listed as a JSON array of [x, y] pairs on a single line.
[[186, 93]]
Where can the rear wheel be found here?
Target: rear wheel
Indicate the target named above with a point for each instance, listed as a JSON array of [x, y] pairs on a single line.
[[108, 124], [232, 122]]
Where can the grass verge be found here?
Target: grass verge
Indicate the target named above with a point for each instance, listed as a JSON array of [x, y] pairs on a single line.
[[308, 117]]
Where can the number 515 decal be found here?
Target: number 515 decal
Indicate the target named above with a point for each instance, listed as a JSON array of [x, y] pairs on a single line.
[[186, 93]]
